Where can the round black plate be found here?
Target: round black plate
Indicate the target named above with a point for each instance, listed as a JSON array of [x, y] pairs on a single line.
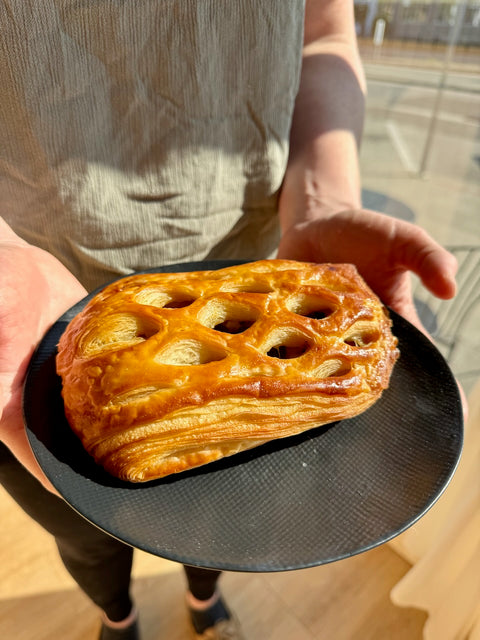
[[328, 494]]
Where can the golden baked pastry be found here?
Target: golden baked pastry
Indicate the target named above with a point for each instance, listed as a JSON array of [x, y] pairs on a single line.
[[165, 372]]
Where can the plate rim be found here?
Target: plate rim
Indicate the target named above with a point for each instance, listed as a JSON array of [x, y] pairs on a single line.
[[179, 267]]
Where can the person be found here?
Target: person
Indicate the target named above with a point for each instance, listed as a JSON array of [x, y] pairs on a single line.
[[136, 136]]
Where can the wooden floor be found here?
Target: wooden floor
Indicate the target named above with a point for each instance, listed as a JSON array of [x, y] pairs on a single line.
[[347, 600]]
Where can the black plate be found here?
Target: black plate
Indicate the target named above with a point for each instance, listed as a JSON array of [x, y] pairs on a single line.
[[328, 494]]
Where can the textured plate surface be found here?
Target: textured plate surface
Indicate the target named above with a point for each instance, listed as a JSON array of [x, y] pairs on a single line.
[[328, 494]]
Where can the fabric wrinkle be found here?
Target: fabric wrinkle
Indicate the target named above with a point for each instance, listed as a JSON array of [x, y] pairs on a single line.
[[123, 158]]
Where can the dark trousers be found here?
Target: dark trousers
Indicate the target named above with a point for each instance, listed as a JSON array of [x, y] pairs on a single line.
[[100, 564]]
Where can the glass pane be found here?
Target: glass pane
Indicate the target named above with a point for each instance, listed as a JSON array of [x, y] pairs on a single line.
[[420, 155]]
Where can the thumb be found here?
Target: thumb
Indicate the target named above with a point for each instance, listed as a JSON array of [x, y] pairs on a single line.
[[437, 271], [434, 265]]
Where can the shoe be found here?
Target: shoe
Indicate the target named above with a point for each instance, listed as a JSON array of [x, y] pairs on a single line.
[[129, 633], [215, 623], [222, 630]]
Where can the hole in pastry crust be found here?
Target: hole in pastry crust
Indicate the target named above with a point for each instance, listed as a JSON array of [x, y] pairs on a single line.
[[333, 368], [190, 353], [179, 304], [311, 306], [145, 329], [118, 331], [361, 341], [231, 325], [249, 287], [342, 368], [362, 334], [227, 316], [136, 395], [156, 297], [285, 352], [286, 344]]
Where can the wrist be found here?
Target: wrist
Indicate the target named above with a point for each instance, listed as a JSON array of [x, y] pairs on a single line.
[[326, 198], [309, 193]]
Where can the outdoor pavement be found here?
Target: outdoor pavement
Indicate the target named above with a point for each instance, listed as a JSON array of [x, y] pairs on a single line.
[[425, 55], [420, 157]]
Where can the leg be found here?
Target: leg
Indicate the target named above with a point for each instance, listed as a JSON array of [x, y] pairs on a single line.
[[202, 583], [100, 564], [209, 614]]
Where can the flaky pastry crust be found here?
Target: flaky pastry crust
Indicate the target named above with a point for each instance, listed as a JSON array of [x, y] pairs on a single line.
[[165, 372]]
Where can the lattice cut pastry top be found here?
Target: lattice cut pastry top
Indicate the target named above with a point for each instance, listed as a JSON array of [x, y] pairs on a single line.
[[165, 372]]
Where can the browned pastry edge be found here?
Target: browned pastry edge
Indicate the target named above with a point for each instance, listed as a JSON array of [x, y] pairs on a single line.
[[165, 372]]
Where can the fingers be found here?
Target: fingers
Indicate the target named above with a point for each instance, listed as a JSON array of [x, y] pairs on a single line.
[[380, 246], [415, 250], [399, 298], [438, 273]]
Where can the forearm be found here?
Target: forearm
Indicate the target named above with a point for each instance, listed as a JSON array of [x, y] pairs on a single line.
[[328, 118], [15, 438], [35, 289]]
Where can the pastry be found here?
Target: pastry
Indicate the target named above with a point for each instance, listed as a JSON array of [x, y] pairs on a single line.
[[164, 372]]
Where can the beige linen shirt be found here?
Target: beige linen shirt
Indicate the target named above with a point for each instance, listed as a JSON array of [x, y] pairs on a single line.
[[140, 133]]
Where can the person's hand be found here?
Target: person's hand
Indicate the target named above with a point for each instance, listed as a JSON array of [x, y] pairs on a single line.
[[35, 289], [383, 249]]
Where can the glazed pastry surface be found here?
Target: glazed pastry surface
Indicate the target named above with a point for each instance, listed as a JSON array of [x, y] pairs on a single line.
[[165, 372]]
